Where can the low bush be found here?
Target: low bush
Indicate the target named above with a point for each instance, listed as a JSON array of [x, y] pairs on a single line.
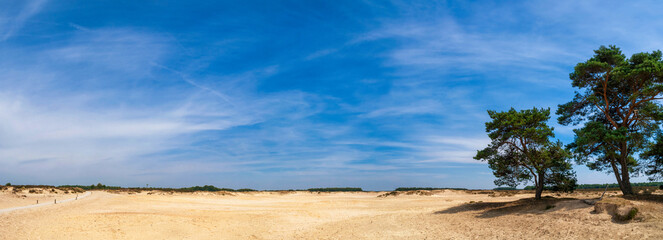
[[632, 213], [245, 190]]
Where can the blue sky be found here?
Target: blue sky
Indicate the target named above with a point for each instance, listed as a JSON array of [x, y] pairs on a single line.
[[287, 94]]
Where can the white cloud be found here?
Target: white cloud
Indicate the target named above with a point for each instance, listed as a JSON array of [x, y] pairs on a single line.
[[321, 53], [121, 51], [445, 45], [10, 24], [94, 103], [461, 142]]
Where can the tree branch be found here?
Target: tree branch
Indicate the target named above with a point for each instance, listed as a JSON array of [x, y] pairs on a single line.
[[605, 99]]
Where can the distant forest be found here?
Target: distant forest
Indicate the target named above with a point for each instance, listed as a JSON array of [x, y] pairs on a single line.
[[612, 185]]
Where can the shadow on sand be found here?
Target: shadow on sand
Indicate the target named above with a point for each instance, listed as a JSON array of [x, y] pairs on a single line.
[[522, 206], [645, 197]]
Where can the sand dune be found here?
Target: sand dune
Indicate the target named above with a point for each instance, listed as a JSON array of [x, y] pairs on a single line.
[[302, 215], [18, 197]]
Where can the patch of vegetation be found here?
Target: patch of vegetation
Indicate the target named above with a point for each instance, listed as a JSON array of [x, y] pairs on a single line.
[[8, 184], [246, 190], [505, 188], [393, 193], [205, 188], [99, 186], [632, 213], [425, 188], [344, 189], [550, 207]]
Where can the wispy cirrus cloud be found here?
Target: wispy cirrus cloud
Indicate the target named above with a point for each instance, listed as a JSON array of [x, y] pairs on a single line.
[[90, 104], [13, 18], [443, 46]]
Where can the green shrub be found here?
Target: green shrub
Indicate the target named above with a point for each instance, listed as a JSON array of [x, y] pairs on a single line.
[[206, 188], [246, 190], [632, 213]]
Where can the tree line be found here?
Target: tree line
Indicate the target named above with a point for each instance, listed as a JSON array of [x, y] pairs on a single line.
[[611, 185], [618, 115]]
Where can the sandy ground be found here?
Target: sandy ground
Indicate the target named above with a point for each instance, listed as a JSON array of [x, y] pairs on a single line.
[[301, 215], [23, 197]]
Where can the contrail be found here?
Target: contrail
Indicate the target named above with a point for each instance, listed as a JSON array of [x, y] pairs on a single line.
[[192, 83]]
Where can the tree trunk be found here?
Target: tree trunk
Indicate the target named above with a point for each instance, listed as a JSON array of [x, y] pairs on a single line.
[[625, 184], [625, 181], [539, 187], [615, 170]]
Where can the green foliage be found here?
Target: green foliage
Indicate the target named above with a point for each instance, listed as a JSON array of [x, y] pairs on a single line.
[[632, 213], [521, 150], [648, 184], [617, 103], [206, 188], [529, 125], [425, 188], [514, 135], [246, 190], [653, 157], [559, 176], [345, 189], [630, 216], [8, 184]]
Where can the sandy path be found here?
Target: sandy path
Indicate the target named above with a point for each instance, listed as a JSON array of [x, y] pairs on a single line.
[[45, 203], [301, 215]]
